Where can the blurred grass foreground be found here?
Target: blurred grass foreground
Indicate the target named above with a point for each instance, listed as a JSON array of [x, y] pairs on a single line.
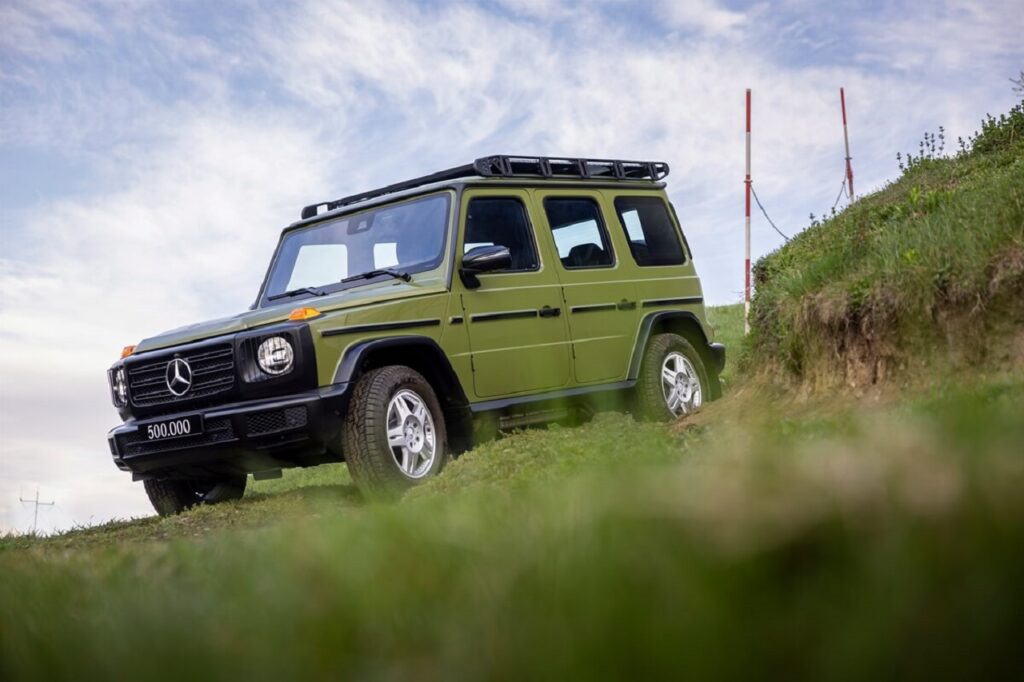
[[871, 530]]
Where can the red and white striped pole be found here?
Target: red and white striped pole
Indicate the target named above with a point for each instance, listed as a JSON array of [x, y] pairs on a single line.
[[746, 262], [846, 139]]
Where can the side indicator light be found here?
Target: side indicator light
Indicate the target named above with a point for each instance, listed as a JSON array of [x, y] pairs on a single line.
[[127, 350], [304, 314]]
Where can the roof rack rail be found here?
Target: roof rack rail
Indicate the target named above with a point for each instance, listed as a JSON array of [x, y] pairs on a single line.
[[551, 167], [542, 167]]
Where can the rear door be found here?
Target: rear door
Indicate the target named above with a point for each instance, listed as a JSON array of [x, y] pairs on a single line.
[[518, 334], [665, 276], [600, 298]]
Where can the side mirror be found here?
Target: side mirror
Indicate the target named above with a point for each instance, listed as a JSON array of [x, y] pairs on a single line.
[[483, 259]]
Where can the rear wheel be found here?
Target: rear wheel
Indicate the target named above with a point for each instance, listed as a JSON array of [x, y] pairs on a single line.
[[673, 380], [394, 434], [171, 496]]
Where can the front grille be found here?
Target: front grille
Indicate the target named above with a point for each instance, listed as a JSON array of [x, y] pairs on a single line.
[[275, 420], [213, 373], [218, 430]]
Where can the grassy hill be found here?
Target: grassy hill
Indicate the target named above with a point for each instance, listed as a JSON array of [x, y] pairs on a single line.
[[928, 272], [803, 533]]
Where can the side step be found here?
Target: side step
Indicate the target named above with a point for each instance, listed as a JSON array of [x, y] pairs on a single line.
[[514, 421]]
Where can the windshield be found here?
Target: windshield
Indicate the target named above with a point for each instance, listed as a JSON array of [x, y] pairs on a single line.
[[407, 237]]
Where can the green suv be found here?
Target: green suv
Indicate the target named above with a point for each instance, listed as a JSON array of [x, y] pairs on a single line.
[[396, 327]]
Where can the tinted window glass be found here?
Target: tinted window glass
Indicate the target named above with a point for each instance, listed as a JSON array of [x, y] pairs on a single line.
[[653, 239], [579, 232], [502, 222]]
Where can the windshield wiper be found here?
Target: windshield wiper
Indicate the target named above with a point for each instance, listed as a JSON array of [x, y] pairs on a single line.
[[312, 291], [404, 276]]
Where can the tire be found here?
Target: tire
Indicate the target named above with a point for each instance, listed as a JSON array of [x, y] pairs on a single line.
[[171, 496], [385, 456], [654, 394]]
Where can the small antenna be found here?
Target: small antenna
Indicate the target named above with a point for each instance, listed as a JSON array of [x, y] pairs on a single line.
[[36, 503]]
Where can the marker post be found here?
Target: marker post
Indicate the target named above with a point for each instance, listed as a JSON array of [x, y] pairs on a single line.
[[746, 261], [846, 140]]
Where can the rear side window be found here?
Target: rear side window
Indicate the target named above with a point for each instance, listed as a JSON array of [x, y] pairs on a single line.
[[501, 221], [580, 236], [652, 237]]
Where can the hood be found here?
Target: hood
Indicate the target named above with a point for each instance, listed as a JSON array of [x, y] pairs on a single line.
[[261, 317], [211, 328]]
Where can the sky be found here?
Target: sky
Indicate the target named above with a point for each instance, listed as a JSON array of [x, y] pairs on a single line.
[[150, 152]]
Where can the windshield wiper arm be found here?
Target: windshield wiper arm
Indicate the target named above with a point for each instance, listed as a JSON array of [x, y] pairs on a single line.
[[404, 276], [312, 291]]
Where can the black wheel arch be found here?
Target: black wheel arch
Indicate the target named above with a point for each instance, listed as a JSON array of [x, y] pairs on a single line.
[[687, 325], [424, 355]]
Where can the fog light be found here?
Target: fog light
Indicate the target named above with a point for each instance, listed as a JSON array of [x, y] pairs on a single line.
[[275, 355]]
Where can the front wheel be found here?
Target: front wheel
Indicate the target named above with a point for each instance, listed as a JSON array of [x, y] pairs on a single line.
[[171, 496], [673, 380], [394, 435]]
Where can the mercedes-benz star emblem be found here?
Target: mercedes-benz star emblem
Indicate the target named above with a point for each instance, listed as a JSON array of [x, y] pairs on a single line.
[[178, 376]]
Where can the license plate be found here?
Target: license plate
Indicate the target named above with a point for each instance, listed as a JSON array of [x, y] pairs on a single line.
[[174, 428]]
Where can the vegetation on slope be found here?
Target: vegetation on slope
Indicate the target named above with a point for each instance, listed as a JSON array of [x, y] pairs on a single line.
[[835, 544], [929, 268]]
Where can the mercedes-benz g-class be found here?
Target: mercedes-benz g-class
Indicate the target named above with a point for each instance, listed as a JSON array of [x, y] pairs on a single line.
[[393, 327]]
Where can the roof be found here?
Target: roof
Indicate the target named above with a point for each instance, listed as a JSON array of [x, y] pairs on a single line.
[[534, 168]]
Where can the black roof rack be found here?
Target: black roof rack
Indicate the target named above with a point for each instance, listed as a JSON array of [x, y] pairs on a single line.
[[536, 167]]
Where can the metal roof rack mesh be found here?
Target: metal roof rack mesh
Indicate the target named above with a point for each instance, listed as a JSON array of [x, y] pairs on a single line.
[[534, 167]]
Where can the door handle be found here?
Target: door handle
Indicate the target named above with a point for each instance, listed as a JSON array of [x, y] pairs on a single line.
[[548, 311], [626, 305]]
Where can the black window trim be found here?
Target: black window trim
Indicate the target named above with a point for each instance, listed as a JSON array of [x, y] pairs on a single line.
[[602, 229], [687, 254], [677, 229], [529, 229]]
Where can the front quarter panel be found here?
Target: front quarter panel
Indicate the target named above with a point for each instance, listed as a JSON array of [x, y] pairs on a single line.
[[334, 334]]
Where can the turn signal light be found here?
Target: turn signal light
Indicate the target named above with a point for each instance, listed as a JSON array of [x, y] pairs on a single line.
[[304, 314], [127, 350]]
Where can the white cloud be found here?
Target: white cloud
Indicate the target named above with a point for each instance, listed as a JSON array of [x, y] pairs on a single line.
[[708, 17], [34, 29], [947, 35], [188, 238]]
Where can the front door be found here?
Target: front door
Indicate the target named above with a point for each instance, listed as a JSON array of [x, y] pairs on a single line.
[[518, 333]]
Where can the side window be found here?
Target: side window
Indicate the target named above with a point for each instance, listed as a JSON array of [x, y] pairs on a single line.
[[501, 221], [579, 232], [652, 237]]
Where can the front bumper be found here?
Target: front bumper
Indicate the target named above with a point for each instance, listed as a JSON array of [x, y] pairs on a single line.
[[243, 437]]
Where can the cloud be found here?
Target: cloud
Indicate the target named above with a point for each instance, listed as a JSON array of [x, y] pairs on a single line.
[[947, 35], [188, 237], [707, 17], [38, 30]]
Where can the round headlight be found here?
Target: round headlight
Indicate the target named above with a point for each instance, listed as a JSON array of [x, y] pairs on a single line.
[[119, 387], [275, 355]]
